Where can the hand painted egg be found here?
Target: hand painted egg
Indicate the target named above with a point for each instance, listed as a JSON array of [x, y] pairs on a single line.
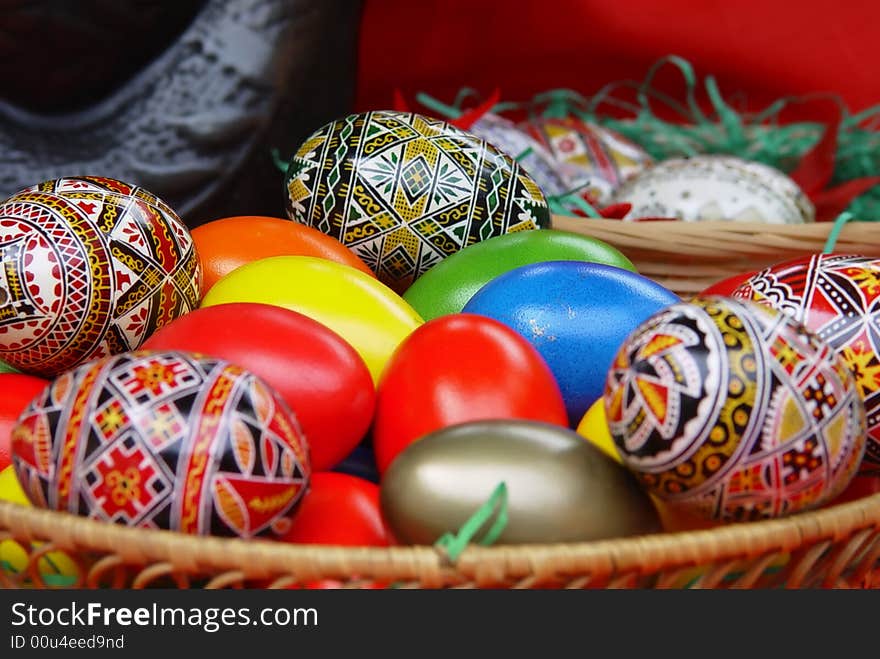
[[836, 296], [91, 267], [560, 488], [164, 440], [576, 314], [734, 411], [536, 160], [589, 156], [710, 187], [404, 191]]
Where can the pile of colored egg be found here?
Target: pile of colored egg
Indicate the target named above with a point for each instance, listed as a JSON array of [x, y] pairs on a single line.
[[370, 370]]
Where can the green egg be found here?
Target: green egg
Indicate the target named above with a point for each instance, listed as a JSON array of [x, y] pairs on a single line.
[[448, 286]]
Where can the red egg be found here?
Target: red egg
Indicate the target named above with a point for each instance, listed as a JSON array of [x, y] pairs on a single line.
[[459, 368], [726, 286], [16, 391], [340, 509], [320, 376], [838, 297]]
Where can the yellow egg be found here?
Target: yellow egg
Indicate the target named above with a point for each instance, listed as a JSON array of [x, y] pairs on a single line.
[[363, 311], [593, 428], [56, 567], [10, 490]]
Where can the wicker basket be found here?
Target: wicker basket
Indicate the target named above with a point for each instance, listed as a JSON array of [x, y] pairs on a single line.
[[833, 547], [686, 257]]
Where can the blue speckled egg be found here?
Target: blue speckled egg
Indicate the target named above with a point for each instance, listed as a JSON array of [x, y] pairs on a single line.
[[576, 314]]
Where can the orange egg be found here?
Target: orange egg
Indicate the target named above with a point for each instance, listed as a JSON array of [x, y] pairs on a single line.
[[224, 245]]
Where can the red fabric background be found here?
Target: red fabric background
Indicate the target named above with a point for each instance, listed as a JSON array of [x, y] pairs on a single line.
[[764, 48]]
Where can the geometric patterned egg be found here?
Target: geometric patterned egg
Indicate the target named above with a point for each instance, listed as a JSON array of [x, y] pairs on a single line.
[[589, 158], [715, 187], [536, 160], [734, 411], [405, 191], [90, 267], [164, 440], [837, 296]]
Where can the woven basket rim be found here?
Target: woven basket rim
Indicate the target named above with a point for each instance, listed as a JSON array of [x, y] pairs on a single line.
[[264, 558]]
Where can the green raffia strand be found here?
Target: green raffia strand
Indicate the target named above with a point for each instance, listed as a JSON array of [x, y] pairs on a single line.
[[560, 204], [444, 110], [279, 162], [525, 154], [834, 234], [455, 543], [760, 136], [733, 576], [54, 580]]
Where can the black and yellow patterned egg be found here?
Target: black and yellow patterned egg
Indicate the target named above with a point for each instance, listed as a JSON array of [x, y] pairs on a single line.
[[404, 191], [734, 411]]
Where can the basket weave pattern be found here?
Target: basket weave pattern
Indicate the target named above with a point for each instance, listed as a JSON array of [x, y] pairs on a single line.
[[687, 257], [836, 547]]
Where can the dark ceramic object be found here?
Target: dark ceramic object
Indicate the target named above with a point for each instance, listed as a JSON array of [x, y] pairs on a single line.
[[185, 99]]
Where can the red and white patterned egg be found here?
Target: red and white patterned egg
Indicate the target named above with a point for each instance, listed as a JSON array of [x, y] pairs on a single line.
[[164, 440], [589, 158], [89, 267], [838, 297]]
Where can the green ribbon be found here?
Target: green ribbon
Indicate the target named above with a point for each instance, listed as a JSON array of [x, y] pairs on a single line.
[[279, 162], [455, 543], [53, 580], [444, 110], [560, 204], [836, 228]]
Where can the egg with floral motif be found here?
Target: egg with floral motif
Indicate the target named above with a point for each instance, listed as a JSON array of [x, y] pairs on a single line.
[[164, 440], [837, 296]]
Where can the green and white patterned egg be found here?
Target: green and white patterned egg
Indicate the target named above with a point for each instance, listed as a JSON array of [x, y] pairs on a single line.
[[404, 191]]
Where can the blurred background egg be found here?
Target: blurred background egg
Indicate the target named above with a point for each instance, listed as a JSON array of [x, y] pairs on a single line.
[[320, 376], [532, 156], [164, 440], [371, 317], [588, 156], [90, 267], [715, 187], [405, 191], [576, 314], [560, 488], [734, 411], [837, 296]]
